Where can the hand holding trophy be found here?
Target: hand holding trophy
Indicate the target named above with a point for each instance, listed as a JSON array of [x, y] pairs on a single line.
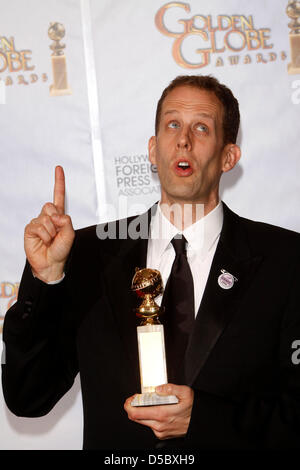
[[147, 284]]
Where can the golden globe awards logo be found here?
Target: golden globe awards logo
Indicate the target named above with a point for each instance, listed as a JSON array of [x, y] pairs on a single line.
[[211, 37], [16, 64]]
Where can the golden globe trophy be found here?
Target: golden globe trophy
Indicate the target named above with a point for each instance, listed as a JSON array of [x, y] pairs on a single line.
[[147, 284], [293, 12], [60, 85]]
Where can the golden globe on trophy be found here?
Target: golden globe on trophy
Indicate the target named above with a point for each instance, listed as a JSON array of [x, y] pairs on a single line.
[[60, 85], [293, 12], [147, 284]]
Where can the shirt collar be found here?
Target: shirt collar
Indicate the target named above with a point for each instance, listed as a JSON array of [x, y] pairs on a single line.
[[201, 236]]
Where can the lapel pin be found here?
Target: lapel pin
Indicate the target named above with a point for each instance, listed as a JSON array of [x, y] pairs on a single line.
[[226, 280]]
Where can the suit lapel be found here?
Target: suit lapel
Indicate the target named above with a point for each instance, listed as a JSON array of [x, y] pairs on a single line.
[[219, 305], [120, 258]]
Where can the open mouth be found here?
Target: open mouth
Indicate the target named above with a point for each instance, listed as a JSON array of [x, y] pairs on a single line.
[[183, 165], [183, 168]]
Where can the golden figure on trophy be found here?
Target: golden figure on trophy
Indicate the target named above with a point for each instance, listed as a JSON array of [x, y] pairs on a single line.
[[293, 12], [147, 284], [60, 85]]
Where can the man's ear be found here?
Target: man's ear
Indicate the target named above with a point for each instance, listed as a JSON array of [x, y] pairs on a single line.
[[231, 156], [152, 149]]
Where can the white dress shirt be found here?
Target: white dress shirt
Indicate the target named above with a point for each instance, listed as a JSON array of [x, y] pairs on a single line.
[[202, 239]]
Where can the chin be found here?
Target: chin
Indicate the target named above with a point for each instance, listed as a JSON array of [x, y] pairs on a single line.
[[182, 196], [180, 190]]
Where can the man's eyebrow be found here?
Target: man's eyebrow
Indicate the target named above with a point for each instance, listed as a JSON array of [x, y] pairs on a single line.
[[201, 114]]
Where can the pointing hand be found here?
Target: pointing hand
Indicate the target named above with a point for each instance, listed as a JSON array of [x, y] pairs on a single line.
[[49, 237]]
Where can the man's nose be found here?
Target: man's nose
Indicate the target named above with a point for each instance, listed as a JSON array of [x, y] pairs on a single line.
[[184, 140]]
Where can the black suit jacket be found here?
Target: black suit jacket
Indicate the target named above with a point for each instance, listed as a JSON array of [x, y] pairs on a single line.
[[239, 359]]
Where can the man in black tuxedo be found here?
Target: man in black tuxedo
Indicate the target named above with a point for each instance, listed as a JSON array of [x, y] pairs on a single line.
[[240, 382]]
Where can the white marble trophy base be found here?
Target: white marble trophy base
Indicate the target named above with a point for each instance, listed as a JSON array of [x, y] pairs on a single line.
[[150, 399]]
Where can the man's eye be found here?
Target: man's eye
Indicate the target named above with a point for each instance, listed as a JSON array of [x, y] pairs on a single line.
[[201, 128], [173, 125]]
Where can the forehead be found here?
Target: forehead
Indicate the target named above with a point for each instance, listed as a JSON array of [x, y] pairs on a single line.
[[192, 100]]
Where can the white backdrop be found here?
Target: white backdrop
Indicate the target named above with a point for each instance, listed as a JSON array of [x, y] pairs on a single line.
[[120, 54]]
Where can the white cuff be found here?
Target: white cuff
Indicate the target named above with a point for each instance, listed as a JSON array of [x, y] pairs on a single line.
[[57, 281], [52, 282]]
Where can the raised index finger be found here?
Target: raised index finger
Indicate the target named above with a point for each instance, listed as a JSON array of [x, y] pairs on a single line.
[[59, 190]]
